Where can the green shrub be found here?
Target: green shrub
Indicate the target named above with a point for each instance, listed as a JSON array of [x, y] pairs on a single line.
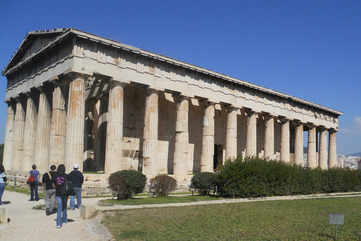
[[162, 185], [125, 183], [256, 178], [203, 182]]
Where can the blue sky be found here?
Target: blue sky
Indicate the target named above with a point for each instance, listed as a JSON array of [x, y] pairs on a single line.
[[309, 49]]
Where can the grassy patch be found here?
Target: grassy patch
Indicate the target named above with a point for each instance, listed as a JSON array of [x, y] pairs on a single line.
[[271, 220], [21, 189], [157, 200]]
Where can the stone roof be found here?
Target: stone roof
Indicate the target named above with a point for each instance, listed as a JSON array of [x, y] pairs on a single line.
[[64, 32]]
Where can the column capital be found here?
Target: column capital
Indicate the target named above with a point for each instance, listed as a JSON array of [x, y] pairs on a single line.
[[332, 130]]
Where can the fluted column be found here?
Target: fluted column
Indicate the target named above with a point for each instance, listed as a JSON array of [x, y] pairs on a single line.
[[150, 167], [332, 156], [207, 153], [181, 163], [43, 133], [58, 128], [269, 140], [231, 134], [74, 141], [311, 148], [299, 145], [113, 155], [9, 135], [323, 149], [30, 133], [285, 140], [251, 143], [18, 146]]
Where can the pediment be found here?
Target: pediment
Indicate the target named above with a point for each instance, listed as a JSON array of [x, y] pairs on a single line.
[[32, 44]]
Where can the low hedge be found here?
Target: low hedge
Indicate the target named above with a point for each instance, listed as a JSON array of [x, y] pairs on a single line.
[[125, 183], [257, 178]]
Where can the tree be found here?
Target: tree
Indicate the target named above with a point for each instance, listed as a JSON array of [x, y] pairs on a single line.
[[1, 153]]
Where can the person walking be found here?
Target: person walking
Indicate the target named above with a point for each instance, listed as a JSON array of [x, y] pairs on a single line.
[[61, 196], [49, 180], [77, 179], [3, 181], [34, 183]]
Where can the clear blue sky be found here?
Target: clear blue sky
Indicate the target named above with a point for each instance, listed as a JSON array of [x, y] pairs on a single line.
[[309, 49]]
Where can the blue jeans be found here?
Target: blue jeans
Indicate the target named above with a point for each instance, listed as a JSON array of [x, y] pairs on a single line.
[[61, 216], [2, 188], [34, 191], [77, 193]]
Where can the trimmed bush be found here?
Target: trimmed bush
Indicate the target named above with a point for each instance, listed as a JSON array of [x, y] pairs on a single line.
[[162, 185], [203, 182], [125, 183], [257, 178]]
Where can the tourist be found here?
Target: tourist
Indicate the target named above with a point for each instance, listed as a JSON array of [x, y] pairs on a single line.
[[33, 181], [61, 196], [3, 181], [77, 179], [49, 180]]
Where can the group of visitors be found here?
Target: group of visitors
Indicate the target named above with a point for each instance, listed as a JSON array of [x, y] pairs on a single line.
[[58, 187]]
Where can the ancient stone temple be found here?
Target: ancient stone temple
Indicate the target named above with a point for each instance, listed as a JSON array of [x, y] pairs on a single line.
[[74, 97]]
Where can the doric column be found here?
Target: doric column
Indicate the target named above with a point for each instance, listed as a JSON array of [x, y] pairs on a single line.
[[58, 127], [9, 135], [29, 133], [332, 156], [311, 148], [74, 141], [150, 133], [18, 147], [323, 149], [251, 143], [181, 163], [231, 134], [113, 155], [206, 164], [285, 140], [43, 132], [269, 140], [299, 144]]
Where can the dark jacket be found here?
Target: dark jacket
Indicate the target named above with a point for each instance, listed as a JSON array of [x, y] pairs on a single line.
[[76, 178], [49, 181], [60, 181]]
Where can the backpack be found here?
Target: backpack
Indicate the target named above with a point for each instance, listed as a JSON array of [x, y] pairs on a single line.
[[68, 185]]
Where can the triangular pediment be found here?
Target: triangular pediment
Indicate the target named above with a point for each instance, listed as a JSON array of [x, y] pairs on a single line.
[[32, 44]]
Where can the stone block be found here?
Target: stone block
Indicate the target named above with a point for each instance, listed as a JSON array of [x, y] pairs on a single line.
[[87, 211], [3, 215]]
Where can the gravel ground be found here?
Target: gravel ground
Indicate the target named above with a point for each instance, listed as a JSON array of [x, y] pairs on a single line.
[[29, 224]]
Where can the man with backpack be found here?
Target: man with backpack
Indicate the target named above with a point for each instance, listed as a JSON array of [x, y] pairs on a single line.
[[77, 179], [48, 180]]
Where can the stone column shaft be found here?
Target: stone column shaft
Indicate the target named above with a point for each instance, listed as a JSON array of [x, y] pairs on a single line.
[[269, 140], [29, 134], [58, 128], [332, 156], [299, 145], [9, 135], [113, 155], [74, 141], [311, 149], [231, 135], [43, 134], [150, 143], [285, 141], [181, 163], [323, 149], [18, 147], [206, 164], [251, 143]]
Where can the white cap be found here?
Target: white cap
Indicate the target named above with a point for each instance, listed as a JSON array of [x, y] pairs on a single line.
[[76, 166]]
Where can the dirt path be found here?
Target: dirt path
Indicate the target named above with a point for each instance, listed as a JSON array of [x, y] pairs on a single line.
[[29, 224]]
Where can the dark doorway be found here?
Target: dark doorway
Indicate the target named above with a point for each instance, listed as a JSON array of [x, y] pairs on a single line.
[[217, 156]]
